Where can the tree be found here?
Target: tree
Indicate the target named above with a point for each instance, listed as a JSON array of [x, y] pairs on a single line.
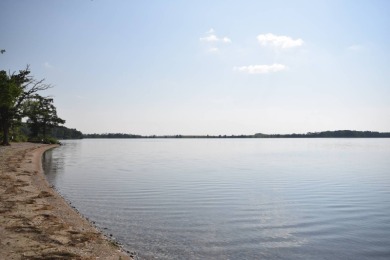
[[10, 90], [42, 115], [15, 89]]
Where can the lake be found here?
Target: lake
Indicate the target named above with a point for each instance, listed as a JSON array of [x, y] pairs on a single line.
[[232, 198]]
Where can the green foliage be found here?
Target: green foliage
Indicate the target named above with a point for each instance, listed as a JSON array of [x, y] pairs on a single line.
[[111, 135], [326, 134], [42, 115], [43, 140], [10, 90], [18, 99], [57, 132], [62, 133], [17, 134], [330, 134]]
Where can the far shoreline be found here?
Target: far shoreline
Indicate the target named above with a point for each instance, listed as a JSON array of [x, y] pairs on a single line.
[[324, 134]]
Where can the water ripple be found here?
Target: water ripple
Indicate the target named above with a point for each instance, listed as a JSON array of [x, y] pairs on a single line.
[[233, 199]]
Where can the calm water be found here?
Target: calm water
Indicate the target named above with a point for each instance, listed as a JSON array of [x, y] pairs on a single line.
[[232, 198]]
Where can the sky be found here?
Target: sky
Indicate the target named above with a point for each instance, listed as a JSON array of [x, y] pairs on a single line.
[[206, 67]]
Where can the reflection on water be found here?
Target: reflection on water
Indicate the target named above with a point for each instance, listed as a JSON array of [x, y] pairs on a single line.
[[233, 199]]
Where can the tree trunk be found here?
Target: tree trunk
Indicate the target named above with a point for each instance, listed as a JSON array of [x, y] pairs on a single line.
[[44, 130], [5, 128]]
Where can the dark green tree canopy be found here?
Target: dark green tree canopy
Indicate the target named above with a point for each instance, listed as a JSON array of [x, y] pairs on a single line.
[[15, 89], [10, 90], [42, 115]]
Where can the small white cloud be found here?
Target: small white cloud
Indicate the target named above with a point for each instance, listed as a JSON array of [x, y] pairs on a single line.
[[226, 39], [279, 41], [261, 69], [212, 37], [47, 65], [355, 47]]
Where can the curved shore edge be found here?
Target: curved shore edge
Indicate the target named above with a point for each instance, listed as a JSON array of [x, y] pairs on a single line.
[[35, 221]]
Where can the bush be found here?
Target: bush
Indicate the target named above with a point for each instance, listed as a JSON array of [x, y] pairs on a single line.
[[40, 139], [16, 135], [51, 140], [19, 138]]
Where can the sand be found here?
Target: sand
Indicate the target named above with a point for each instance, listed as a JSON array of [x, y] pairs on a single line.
[[37, 223]]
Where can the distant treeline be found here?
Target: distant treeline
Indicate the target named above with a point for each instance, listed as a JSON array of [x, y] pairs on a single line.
[[112, 135], [326, 134], [330, 134], [62, 133], [58, 132]]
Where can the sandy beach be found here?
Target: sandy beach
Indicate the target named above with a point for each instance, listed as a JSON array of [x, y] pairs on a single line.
[[37, 223]]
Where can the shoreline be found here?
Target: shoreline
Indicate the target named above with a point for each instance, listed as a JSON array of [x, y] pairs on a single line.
[[36, 222]]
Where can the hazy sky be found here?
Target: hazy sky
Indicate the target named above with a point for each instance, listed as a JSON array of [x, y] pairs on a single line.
[[206, 67]]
